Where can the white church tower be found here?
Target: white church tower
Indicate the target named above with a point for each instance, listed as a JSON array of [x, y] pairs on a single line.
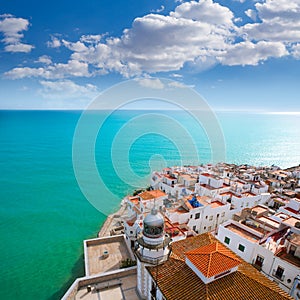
[[152, 248]]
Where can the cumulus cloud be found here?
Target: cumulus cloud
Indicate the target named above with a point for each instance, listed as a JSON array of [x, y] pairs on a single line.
[[280, 21], [54, 71], [248, 53], [251, 13], [197, 34], [64, 89], [153, 83], [296, 51], [44, 59], [91, 39], [54, 43], [157, 43], [205, 11], [12, 28]]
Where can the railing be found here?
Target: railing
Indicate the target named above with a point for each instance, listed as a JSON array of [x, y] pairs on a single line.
[[151, 260], [164, 244]]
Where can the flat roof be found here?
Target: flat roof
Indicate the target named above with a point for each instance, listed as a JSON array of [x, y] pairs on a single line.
[[120, 288], [269, 221], [259, 209], [291, 221], [105, 254], [216, 204], [244, 233]]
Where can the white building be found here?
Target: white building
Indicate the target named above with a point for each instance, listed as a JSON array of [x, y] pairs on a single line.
[[269, 245]]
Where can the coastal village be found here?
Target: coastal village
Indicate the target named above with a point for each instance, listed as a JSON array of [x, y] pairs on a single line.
[[200, 232]]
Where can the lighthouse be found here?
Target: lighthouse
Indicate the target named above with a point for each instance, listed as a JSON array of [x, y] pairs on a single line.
[[152, 248]]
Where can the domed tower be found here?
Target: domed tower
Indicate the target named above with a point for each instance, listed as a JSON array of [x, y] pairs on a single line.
[[152, 248]]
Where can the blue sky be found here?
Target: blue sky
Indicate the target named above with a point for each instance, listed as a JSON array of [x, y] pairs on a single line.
[[239, 55]]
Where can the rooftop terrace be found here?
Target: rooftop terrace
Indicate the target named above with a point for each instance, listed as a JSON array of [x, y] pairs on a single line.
[[105, 254]]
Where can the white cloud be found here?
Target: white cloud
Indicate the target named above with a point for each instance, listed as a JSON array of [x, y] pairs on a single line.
[[205, 11], [197, 35], [162, 8], [280, 21], [72, 68], [91, 39], [44, 59], [12, 29], [296, 51], [177, 84], [64, 89], [175, 75], [157, 43], [18, 47], [54, 43], [248, 53], [153, 83], [76, 47], [252, 14]]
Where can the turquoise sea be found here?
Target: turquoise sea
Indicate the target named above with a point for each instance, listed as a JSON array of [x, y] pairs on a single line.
[[44, 214]]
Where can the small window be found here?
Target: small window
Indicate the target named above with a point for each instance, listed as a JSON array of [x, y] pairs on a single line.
[[204, 228], [241, 247], [247, 204], [209, 228], [227, 240], [259, 261], [206, 217], [279, 272], [131, 232], [194, 228], [191, 216], [210, 218], [292, 250], [197, 215]]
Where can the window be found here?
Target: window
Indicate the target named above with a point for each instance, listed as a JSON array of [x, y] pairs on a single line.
[[247, 204], [204, 228], [279, 273], [131, 232], [197, 215], [210, 218], [292, 250], [259, 261], [153, 290], [242, 204], [206, 217], [191, 216], [227, 240], [223, 214], [194, 228], [209, 228], [241, 247]]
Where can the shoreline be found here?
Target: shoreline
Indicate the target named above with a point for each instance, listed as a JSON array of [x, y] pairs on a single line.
[[112, 221]]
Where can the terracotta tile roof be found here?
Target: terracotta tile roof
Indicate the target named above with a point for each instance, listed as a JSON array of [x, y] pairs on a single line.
[[212, 259], [147, 195], [177, 281]]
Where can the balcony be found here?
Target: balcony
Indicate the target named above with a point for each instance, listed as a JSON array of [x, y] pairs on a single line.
[[151, 260]]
